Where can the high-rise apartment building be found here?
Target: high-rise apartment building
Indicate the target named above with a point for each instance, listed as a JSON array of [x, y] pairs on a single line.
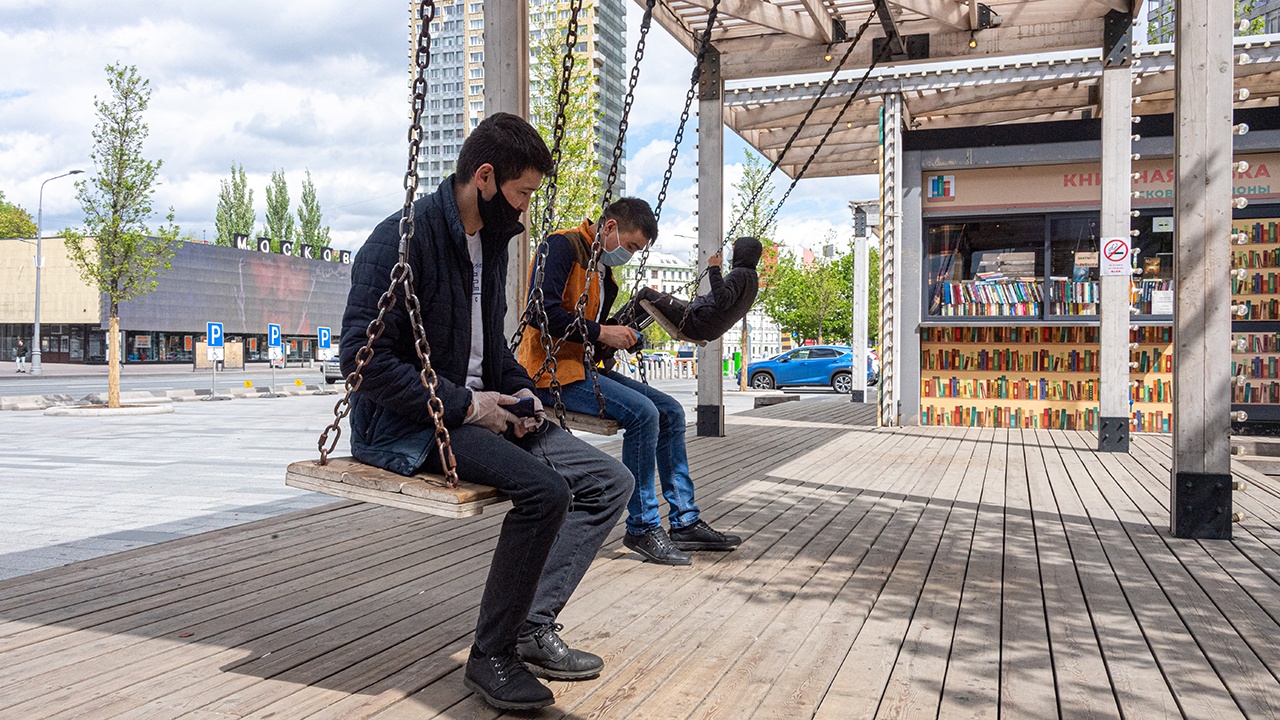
[[455, 83], [1161, 20]]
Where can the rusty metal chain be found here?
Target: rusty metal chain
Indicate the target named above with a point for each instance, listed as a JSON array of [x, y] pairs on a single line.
[[704, 42], [612, 177], [402, 277], [823, 140], [813, 107], [536, 309]]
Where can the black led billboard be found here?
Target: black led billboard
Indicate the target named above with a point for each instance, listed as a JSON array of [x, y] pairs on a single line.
[[242, 289]]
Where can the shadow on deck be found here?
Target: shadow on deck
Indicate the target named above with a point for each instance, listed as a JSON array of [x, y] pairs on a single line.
[[924, 572]]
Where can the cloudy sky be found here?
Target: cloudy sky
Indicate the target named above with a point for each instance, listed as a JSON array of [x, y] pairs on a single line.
[[294, 86]]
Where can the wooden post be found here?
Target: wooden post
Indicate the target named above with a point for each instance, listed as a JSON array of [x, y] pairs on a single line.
[[892, 340], [506, 89], [1200, 502], [861, 278], [1117, 127], [710, 235]]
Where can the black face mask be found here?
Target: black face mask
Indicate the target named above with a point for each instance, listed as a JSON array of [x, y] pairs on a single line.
[[497, 213]]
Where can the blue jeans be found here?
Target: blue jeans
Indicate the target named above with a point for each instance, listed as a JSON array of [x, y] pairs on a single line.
[[653, 434]]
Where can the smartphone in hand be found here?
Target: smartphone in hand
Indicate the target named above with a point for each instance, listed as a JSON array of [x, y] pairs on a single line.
[[525, 408]]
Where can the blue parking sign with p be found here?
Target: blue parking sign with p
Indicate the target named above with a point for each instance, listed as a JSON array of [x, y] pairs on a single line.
[[273, 335], [324, 336], [213, 331]]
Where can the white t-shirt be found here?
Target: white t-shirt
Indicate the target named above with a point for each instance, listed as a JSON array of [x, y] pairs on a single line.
[[474, 371]]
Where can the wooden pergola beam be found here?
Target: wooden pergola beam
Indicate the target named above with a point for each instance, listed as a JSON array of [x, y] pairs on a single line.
[[772, 55], [772, 17]]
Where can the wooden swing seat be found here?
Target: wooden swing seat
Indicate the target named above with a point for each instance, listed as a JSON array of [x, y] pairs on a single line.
[[593, 424], [665, 323], [345, 477]]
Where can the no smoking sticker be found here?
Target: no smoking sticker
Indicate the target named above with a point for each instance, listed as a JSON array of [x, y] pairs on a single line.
[[1115, 256]]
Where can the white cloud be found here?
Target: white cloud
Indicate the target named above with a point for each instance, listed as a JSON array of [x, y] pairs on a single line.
[[294, 85]]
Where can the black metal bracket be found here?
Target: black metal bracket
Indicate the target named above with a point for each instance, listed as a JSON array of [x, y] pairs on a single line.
[[709, 76], [839, 32], [1117, 38], [857, 396], [917, 48], [1200, 506], [1113, 434], [710, 421]]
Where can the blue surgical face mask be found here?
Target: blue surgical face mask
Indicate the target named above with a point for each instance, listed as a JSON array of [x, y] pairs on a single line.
[[618, 256]]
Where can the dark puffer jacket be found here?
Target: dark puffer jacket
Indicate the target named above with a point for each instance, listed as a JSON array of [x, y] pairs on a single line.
[[731, 295], [391, 425]]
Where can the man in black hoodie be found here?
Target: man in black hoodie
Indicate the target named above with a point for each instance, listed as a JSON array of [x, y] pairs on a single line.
[[708, 316]]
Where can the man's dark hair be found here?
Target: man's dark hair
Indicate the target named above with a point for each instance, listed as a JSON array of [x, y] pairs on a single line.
[[506, 142], [632, 214]]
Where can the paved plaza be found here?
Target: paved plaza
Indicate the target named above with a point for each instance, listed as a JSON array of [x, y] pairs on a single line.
[[74, 488]]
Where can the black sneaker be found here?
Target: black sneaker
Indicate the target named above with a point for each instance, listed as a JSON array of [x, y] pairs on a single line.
[[656, 547], [504, 682], [701, 536], [547, 656]]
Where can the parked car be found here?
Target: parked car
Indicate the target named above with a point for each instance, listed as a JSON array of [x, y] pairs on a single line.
[[331, 369], [658, 356], [811, 365]]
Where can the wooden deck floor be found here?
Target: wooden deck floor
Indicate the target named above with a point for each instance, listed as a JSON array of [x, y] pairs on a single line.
[[920, 573]]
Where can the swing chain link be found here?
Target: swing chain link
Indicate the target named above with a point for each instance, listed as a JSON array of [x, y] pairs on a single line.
[[704, 44], [536, 309], [402, 277], [627, 101]]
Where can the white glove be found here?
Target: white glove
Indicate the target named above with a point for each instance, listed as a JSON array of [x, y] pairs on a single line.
[[487, 412], [530, 424]]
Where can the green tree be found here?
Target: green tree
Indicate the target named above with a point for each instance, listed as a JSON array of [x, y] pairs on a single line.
[[844, 265], [15, 222], [279, 221], [813, 300], [578, 185], [1160, 21], [752, 218], [310, 231], [235, 213], [116, 252]]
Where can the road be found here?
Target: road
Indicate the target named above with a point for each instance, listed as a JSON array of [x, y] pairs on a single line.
[[80, 380]]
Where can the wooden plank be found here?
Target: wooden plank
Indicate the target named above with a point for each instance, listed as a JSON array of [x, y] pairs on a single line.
[[914, 690], [1199, 690], [423, 492], [1139, 687], [657, 661], [254, 616], [593, 424], [665, 323], [1027, 685], [250, 692], [1083, 686], [743, 666], [971, 688]]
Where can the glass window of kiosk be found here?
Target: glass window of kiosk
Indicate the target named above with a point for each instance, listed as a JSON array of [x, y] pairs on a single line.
[[989, 267], [1073, 265], [1255, 257], [1152, 260]]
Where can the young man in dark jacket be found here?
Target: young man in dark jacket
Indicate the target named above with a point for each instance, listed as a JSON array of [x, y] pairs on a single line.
[[711, 315], [566, 495]]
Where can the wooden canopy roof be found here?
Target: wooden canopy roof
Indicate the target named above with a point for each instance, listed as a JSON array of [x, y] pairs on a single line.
[[1033, 60]]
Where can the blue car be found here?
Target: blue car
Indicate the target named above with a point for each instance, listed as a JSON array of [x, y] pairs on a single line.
[[811, 365]]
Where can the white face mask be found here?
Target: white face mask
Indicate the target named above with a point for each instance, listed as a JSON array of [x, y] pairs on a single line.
[[618, 256]]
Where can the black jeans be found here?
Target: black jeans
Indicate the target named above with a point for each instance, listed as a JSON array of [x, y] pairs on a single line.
[[566, 496], [692, 324]]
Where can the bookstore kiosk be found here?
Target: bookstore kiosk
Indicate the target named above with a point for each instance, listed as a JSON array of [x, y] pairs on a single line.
[[1009, 252]]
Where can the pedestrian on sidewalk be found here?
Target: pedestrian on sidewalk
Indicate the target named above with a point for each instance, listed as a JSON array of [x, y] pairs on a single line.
[[20, 356]]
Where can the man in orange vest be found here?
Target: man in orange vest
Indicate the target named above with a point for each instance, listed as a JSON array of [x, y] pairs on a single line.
[[653, 422]]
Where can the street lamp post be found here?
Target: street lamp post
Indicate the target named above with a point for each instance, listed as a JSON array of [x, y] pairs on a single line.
[[35, 339]]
